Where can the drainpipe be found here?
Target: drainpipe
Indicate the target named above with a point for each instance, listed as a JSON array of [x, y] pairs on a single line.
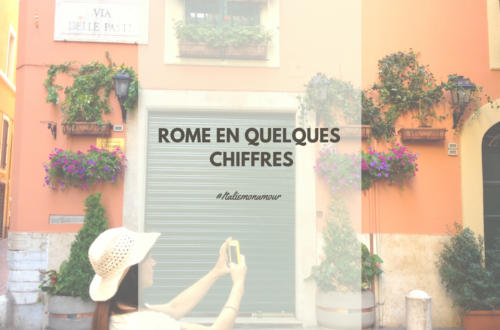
[[380, 295]]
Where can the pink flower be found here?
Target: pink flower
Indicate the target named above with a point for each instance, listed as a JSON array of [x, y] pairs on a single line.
[[403, 163], [377, 264]]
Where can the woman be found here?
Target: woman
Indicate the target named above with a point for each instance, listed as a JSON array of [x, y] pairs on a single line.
[[122, 261]]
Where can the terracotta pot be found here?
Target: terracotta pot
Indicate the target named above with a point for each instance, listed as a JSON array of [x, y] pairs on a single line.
[[345, 310], [481, 320]]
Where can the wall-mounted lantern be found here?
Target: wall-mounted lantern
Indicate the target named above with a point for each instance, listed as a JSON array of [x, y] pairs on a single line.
[[461, 97], [122, 83], [320, 84]]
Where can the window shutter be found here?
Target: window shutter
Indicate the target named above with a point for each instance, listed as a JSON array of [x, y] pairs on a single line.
[[5, 136]]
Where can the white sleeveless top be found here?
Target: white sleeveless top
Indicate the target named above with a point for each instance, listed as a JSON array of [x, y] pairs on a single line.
[[147, 320]]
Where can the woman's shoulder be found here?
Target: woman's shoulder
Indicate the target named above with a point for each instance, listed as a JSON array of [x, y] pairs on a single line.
[[145, 319]]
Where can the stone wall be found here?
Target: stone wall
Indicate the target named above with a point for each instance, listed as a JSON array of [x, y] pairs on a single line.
[[26, 257]]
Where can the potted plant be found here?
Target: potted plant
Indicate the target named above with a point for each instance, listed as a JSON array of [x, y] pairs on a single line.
[[203, 40], [471, 285], [87, 98], [70, 306], [345, 274], [404, 85]]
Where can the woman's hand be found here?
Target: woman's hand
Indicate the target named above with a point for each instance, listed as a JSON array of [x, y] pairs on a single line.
[[239, 272], [221, 268]]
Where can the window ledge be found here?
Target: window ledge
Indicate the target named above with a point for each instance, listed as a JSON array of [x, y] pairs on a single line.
[[7, 81]]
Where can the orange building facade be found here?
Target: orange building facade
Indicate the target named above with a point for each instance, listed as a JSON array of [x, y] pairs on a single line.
[[346, 41]]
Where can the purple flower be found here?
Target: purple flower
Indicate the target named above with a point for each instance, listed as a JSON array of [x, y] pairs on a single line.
[[380, 174], [106, 168], [386, 175], [84, 186]]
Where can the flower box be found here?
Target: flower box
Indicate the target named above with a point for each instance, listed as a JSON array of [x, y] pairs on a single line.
[[481, 320], [87, 129], [203, 50], [250, 2], [422, 134], [355, 131]]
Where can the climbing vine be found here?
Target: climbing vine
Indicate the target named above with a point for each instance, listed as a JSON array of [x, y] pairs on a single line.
[[342, 96], [87, 98]]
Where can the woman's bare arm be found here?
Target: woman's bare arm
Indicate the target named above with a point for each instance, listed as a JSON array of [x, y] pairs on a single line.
[[189, 298], [227, 317]]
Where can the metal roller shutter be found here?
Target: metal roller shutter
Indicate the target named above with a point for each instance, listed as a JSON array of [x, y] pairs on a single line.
[[181, 203]]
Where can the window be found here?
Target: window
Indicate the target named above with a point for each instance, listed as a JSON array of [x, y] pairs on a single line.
[[242, 14], [11, 54], [4, 143], [193, 49]]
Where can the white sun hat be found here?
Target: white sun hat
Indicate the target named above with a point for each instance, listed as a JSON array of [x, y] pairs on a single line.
[[111, 255]]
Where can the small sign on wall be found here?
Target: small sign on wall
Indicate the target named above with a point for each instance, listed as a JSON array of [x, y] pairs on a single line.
[[113, 21], [66, 219], [111, 144]]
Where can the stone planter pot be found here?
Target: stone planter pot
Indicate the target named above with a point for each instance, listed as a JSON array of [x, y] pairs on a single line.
[[481, 320], [72, 313], [345, 310]]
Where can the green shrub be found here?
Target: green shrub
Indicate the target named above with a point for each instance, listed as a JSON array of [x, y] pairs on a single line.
[[347, 264], [75, 275], [462, 267]]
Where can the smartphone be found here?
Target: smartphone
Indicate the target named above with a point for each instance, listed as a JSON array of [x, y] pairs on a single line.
[[234, 252]]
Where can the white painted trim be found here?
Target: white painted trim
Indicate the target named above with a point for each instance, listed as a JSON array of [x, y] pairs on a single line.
[[135, 175], [12, 33], [6, 80]]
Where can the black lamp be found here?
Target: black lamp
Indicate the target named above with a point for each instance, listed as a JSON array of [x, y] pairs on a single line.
[[320, 83], [461, 97], [122, 83]]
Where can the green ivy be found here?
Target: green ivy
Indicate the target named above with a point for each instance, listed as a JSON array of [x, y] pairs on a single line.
[[87, 98], [342, 97], [237, 36]]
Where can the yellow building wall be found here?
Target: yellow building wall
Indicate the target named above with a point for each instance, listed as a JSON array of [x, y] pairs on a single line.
[[9, 13]]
